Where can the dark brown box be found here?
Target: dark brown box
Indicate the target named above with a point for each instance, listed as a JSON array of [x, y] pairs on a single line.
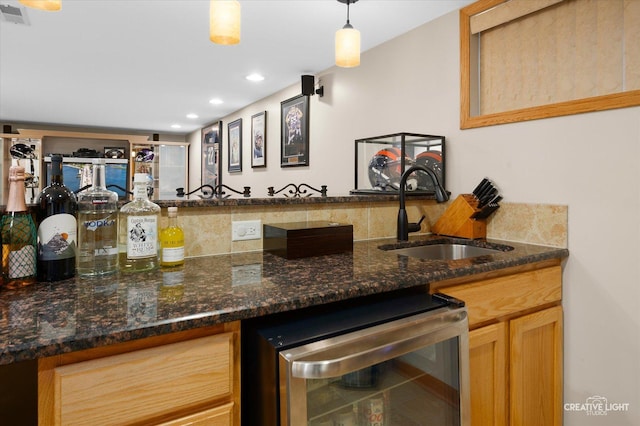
[[294, 240]]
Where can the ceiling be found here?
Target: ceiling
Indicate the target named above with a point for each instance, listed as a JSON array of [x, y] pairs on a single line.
[[146, 64]]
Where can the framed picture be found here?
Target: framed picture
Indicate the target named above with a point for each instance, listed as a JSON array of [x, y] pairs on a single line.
[[235, 145], [211, 154], [114, 152], [294, 128], [259, 139]]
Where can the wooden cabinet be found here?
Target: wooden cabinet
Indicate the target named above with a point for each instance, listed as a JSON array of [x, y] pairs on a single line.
[[187, 378], [488, 347], [515, 345]]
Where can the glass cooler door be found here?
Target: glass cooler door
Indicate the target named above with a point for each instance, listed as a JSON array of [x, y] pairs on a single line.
[[412, 371]]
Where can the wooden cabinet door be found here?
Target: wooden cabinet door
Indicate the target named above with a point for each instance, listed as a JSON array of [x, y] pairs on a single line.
[[133, 387], [488, 373], [219, 416], [536, 369]]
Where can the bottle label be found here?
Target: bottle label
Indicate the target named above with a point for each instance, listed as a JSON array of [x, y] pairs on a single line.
[[142, 237], [173, 254], [57, 237], [22, 263], [105, 235]]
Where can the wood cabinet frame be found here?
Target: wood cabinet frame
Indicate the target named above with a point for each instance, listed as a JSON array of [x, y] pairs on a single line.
[[597, 103]]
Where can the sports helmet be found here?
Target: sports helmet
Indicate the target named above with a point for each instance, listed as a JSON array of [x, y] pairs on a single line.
[[431, 160], [145, 155], [21, 151], [385, 168]]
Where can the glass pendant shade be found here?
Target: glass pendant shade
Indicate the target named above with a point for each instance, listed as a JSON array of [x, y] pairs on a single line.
[[224, 21], [50, 5], [347, 47]]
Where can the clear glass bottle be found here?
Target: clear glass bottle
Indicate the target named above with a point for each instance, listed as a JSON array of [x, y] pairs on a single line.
[[172, 241], [97, 226], [138, 230], [19, 238], [57, 227]]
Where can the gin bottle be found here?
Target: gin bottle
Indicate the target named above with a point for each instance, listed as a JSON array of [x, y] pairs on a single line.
[[97, 226], [138, 230], [18, 235]]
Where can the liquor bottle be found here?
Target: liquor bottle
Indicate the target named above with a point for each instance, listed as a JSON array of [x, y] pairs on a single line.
[[172, 241], [57, 229], [97, 226], [138, 230], [18, 236]]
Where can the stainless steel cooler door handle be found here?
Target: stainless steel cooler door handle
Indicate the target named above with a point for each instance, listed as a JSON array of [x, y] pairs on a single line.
[[350, 352]]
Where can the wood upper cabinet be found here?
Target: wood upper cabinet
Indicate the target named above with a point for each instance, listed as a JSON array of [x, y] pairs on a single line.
[[188, 378], [515, 346]]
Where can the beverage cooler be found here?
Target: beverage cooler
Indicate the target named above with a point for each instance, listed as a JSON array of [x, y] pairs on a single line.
[[400, 361]]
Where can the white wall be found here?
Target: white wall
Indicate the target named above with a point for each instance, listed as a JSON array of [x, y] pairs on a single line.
[[591, 162]]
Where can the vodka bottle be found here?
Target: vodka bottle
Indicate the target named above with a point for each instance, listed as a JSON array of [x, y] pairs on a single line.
[[18, 236], [138, 230], [97, 226], [57, 229], [172, 241]]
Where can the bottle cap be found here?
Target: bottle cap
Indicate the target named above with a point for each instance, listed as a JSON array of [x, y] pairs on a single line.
[[172, 211]]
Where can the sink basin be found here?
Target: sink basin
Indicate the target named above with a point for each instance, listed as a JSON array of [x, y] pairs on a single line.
[[444, 251]]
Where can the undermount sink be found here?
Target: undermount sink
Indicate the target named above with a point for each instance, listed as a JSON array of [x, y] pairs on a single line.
[[444, 251]]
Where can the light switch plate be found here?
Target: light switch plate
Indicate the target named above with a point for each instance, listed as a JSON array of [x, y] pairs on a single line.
[[246, 230]]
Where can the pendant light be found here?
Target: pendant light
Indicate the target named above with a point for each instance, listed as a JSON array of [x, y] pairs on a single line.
[[347, 43], [50, 5], [224, 21]]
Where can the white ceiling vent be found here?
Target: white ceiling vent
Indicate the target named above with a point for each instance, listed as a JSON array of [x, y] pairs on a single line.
[[17, 15]]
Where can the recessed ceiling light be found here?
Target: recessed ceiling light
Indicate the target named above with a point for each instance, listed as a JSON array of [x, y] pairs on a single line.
[[192, 116], [255, 77], [176, 126], [215, 101]]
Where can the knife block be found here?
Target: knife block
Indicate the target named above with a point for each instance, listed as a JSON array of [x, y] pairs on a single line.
[[456, 221]]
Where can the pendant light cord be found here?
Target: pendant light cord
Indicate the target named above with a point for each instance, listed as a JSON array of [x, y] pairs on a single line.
[[348, 12]]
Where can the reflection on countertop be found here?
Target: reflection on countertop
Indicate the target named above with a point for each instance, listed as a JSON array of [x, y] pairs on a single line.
[[46, 319]]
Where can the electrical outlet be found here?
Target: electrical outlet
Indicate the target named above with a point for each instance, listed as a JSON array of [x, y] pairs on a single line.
[[246, 230]]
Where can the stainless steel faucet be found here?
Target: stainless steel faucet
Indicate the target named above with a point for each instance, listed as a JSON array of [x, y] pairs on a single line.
[[404, 227]]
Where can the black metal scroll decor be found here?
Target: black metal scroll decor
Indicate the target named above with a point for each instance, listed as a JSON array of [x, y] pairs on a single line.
[[209, 191], [298, 191]]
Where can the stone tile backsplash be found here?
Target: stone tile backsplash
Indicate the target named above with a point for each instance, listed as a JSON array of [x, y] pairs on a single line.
[[208, 229]]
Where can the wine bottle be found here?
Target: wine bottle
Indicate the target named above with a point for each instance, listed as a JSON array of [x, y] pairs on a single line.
[[18, 236], [57, 229], [138, 230], [172, 241], [97, 226]]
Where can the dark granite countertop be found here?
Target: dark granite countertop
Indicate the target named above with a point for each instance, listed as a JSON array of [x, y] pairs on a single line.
[[47, 319]]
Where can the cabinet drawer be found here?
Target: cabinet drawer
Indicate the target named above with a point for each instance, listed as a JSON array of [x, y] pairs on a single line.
[[144, 384], [504, 296], [219, 416]]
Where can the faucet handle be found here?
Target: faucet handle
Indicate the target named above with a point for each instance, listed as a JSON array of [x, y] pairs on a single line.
[[415, 227]]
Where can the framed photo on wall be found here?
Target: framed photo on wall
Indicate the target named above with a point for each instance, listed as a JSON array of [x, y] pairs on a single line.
[[235, 145], [294, 129], [211, 154], [259, 139]]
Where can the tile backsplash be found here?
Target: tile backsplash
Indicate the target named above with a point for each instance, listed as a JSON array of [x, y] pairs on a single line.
[[208, 229]]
